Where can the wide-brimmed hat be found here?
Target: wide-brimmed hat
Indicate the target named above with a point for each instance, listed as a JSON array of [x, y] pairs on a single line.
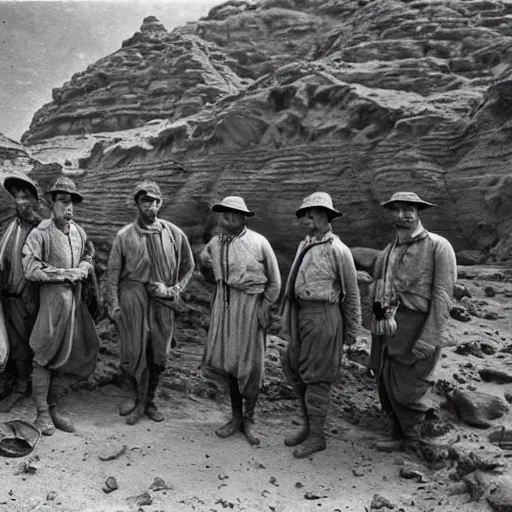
[[318, 200], [232, 203], [407, 197], [66, 185], [149, 188], [20, 182]]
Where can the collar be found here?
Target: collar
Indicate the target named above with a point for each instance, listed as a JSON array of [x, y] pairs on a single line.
[[406, 237], [311, 239], [148, 230]]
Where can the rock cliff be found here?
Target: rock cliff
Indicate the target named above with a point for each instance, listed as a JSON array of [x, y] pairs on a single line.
[[275, 99]]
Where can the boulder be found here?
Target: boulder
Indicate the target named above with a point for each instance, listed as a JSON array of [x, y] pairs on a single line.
[[470, 257], [501, 499], [494, 375], [476, 408]]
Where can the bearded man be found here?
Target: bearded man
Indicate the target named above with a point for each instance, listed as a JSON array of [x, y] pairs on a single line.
[[57, 256], [414, 279], [150, 264], [321, 312], [248, 283], [17, 295]]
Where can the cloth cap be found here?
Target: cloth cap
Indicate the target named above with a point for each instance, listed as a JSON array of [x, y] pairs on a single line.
[[318, 200], [149, 188], [66, 186], [235, 203], [407, 197], [20, 182]]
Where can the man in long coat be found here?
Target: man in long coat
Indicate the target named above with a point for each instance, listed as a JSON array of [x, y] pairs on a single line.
[[414, 278], [150, 264], [18, 303], [248, 283], [58, 257], [321, 312]]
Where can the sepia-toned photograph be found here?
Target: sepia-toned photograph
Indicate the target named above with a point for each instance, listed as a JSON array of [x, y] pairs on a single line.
[[255, 255]]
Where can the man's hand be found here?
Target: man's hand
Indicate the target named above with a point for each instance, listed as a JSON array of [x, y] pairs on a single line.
[[158, 290], [173, 293]]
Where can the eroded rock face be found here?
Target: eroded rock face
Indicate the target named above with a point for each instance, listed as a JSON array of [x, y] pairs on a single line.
[[277, 99]]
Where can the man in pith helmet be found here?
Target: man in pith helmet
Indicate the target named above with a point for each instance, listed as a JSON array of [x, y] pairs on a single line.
[[321, 312], [414, 278], [150, 264], [58, 258], [248, 283], [19, 304]]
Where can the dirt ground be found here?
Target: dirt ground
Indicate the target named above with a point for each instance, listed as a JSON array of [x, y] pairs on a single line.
[[201, 472]]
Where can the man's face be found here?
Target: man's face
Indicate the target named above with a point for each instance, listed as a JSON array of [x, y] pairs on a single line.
[[231, 222], [148, 207], [314, 219], [25, 204], [405, 215], [62, 207]]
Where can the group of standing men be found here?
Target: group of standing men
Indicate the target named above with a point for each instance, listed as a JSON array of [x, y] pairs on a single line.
[[45, 266]]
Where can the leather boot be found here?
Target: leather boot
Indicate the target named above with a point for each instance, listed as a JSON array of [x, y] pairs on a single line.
[[60, 421], [152, 409], [142, 395], [301, 435], [315, 442], [248, 424], [235, 423], [128, 404], [20, 390], [40, 388]]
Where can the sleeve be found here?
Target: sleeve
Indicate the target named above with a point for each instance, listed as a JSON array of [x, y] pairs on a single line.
[[113, 272], [186, 263], [445, 275], [34, 267], [351, 303], [273, 286]]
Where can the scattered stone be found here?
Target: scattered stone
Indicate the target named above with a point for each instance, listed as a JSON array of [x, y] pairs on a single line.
[[159, 485], [460, 291], [459, 379], [413, 474], [29, 467], [493, 375], [141, 500], [223, 477], [460, 313], [357, 472], [508, 397], [478, 485], [273, 481], [491, 315], [110, 485], [470, 257], [501, 499], [475, 408], [488, 348], [115, 454], [470, 347], [51, 496], [489, 291], [501, 437], [299, 485], [380, 502], [313, 496]]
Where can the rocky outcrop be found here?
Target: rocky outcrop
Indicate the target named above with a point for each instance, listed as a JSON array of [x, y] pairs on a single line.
[[276, 99]]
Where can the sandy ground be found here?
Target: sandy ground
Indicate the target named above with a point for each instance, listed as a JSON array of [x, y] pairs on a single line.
[[205, 473]]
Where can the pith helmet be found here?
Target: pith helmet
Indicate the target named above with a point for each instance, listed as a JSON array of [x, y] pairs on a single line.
[[149, 188], [318, 200], [66, 185], [232, 203], [20, 182], [407, 197]]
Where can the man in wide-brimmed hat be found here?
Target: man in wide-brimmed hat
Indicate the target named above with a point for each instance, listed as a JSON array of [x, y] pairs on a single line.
[[150, 264], [58, 257], [246, 272], [18, 302], [413, 286], [321, 312]]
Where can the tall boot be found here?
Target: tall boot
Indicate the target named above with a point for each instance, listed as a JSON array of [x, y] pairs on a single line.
[[248, 424], [235, 423], [128, 404], [142, 395], [40, 388], [23, 369], [315, 442], [152, 409], [60, 421], [301, 435]]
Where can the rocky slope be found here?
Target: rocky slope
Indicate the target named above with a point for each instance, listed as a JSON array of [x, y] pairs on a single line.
[[275, 99]]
